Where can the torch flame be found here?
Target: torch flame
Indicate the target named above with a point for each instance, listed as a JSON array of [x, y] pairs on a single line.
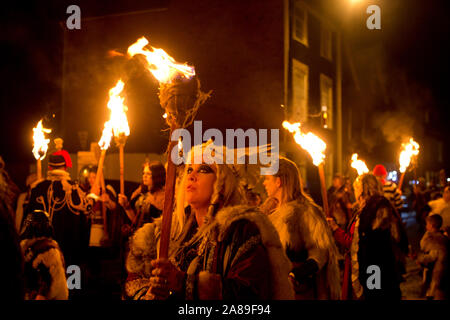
[[359, 165], [40, 143], [409, 149], [118, 123], [107, 135], [163, 67], [310, 142]]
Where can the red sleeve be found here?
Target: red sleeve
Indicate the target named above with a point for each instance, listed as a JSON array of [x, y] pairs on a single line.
[[343, 238]]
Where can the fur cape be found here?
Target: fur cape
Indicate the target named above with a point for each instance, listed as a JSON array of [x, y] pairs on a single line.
[[44, 265], [301, 224], [144, 244]]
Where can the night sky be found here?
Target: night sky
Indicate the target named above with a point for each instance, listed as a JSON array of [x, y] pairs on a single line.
[[414, 36]]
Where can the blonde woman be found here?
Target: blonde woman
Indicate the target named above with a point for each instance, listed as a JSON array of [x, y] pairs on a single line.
[[220, 249], [304, 233]]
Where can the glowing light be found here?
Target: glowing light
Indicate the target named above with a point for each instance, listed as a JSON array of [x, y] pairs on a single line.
[[163, 67], [310, 142], [408, 151], [359, 165], [40, 143]]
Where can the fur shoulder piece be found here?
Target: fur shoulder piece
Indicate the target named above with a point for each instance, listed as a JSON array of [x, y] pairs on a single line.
[[300, 219], [434, 241], [280, 264], [143, 248], [46, 251], [301, 224]]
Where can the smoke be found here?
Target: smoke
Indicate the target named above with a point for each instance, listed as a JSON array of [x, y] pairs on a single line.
[[396, 125]]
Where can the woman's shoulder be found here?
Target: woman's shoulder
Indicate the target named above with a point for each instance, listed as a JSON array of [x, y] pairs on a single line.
[[248, 221]]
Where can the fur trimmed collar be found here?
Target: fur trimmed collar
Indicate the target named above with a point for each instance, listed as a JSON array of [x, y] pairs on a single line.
[[58, 175]]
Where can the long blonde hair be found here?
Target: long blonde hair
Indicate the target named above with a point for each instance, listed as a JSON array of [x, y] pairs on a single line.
[[291, 181]]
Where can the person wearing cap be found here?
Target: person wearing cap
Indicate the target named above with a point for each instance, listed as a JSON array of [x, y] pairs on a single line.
[[66, 205], [390, 189]]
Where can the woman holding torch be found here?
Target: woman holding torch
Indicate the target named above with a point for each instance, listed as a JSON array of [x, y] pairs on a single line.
[[220, 248], [304, 235], [147, 200]]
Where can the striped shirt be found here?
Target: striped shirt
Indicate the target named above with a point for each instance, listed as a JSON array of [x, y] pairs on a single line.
[[392, 194]]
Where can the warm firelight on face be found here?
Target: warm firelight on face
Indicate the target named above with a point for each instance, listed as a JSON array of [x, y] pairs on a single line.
[[310, 142], [163, 67], [409, 150], [40, 143], [359, 165]]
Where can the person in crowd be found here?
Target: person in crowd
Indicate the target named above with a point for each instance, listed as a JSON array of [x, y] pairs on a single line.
[[339, 202], [220, 247], [434, 259], [106, 243], [390, 189], [67, 207], [304, 234], [147, 201], [420, 203], [373, 237], [45, 275], [441, 207], [23, 199]]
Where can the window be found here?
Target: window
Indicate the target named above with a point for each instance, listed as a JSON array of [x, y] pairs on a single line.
[[326, 42], [300, 27], [299, 92], [326, 101]]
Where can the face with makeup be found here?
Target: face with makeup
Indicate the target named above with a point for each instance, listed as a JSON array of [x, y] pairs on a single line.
[[200, 184]]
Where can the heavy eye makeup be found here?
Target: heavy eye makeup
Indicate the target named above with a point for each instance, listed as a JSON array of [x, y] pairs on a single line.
[[202, 169]]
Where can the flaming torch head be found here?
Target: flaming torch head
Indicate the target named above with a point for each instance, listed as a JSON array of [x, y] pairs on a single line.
[[40, 145], [163, 67], [359, 165], [311, 143], [180, 95], [118, 120], [409, 150]]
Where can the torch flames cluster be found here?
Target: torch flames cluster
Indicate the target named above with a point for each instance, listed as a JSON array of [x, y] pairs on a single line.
[[310, 142]]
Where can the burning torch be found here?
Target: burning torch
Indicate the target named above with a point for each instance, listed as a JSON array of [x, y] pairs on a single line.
[[359, 165], [119, 124], [408, 151], [180, 96], [40, 146], [316, 148]]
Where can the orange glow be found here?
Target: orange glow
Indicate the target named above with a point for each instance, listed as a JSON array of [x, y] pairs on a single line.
[[163, 67], [310, 142], [40, 143], [359, 165], [408, 151], [117, 124]]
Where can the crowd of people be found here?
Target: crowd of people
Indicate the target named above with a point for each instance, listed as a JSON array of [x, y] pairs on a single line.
[[226, 240]]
